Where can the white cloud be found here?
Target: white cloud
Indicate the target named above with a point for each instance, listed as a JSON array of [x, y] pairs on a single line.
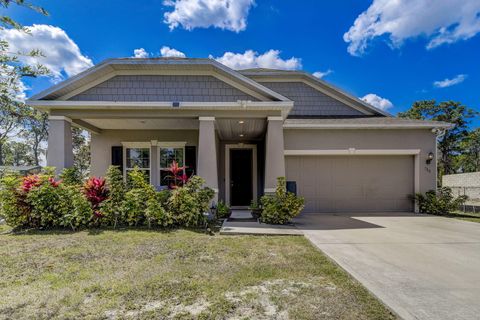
[[171, 52], [377, 101], [322, 74], [62, 55], [441, 21], [140, 53], [224, 14], [12, 83], [450, 82], [251, 59]]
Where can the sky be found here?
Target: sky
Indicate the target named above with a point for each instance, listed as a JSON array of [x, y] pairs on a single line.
[[389, 53]]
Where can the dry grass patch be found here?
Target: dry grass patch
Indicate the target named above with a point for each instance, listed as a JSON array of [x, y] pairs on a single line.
[[142, 274]]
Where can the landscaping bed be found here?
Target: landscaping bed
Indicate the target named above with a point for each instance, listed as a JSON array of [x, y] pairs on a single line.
[[144, 274]]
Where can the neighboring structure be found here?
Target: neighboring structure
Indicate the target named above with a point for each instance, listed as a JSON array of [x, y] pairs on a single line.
[[240, 130], [464, 184], [22, 170]]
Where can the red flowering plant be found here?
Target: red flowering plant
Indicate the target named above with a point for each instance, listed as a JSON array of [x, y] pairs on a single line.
[[96, 192], [30, 182], [177, 176]]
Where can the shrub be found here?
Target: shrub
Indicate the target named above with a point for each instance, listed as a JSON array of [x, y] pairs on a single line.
[[113, 206], [12, 202], [78, 211], [96, 192], [176, 175], [223, 211], [441, 202], [71, 177], [189, 203], [156, 213], [136, 198], [281, 207]]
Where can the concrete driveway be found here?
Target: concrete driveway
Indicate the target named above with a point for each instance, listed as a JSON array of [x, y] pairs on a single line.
[[422, 267]]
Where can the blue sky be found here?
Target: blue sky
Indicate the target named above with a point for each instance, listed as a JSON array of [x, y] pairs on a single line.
[[395, 51]]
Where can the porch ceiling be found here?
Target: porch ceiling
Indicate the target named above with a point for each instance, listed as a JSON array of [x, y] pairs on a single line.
[[241, 129]]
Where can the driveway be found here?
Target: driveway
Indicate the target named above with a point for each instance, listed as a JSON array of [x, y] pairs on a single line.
[[422, 267]]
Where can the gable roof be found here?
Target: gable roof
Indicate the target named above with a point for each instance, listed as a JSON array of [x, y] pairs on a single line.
[[265, 75], [112, 67]]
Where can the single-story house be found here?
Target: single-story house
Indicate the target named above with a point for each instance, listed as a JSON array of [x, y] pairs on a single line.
[[240, 130]]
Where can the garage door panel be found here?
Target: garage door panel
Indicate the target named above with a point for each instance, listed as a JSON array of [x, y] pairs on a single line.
[[353, 183]]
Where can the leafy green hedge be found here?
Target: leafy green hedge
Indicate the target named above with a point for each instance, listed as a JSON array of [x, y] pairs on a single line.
[[41, 201], [281, 207], [439, 202]]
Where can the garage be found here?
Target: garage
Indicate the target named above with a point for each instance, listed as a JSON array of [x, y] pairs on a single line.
[[351, 183]]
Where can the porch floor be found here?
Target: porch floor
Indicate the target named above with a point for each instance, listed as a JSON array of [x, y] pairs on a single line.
[[242, 223]]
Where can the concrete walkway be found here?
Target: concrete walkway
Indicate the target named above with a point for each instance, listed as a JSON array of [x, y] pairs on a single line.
[[241, 222], [422, 267]]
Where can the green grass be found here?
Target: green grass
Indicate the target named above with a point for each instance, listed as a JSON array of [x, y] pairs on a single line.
[[467, 216], [140, 274]]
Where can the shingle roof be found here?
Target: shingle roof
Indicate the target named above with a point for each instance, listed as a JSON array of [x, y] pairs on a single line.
[[371, 122]]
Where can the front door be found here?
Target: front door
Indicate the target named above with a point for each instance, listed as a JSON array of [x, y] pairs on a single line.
[[241, 177]]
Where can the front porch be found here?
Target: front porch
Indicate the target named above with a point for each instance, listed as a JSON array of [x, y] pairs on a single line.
[[239, 157]]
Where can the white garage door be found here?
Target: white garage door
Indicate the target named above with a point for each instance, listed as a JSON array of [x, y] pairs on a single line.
[[353, 183]]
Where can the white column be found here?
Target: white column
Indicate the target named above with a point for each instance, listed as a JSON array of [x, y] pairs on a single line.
[[60, 148], [207, 153], [274, 153]]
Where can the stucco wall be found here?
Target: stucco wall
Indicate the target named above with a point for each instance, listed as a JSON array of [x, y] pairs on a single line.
[[163, 88], [101, 145], [464, 184], [311, 139]]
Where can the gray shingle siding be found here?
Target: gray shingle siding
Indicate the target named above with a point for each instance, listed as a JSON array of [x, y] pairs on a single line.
[[309, 101], [163, 88]]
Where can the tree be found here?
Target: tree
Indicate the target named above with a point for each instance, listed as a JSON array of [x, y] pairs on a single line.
[[469, 159], [36, 132], [81, 151], [12, 71], [449, 145], [18, 153]]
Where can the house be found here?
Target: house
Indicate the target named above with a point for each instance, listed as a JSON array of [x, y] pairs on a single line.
[[240, 130]]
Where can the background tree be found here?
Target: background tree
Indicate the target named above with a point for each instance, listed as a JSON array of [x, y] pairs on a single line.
[[449, 145], [17, 153], [81, 151], [12, 71], [36, 132], [469, 159]]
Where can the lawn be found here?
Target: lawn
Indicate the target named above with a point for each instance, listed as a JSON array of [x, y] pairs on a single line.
[[141, 274], [467, 216]]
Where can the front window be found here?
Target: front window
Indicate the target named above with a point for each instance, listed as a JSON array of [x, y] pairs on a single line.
[[167, 156], [138, 158]]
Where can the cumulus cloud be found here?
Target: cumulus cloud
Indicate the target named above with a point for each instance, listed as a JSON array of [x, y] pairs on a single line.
[[140, 53], [321, 74], [450, 82], [171, 52], [224, 14], [377, 101], [251, 59], [61, 54], [440, 21]]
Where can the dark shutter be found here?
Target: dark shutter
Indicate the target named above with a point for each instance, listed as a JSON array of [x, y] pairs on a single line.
[[117, 157], [191, 160]]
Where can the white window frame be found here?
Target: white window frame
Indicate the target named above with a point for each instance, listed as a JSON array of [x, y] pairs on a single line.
[[137, 145], [166, 145]]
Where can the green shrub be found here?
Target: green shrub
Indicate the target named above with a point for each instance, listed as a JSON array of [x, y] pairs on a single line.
[[136, 198], [71, 177], [77, 211], [223, 211], [441, 202], [112, 208], [156, 213], [281, 207], [188, 204], [12, 203]]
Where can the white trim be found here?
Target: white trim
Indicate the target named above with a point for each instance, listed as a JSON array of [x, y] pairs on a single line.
[[229, 147], [171, 144], [60, 118], [129, 144], [351, 151], [269, 190], [206, 118], [274, 118], [362, 126]]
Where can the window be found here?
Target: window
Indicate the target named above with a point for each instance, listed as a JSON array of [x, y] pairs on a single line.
[[138, 158], [167, 156]]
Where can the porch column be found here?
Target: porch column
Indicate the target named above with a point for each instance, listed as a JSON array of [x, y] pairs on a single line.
[[207, 153], [274, 153], [60, 148]]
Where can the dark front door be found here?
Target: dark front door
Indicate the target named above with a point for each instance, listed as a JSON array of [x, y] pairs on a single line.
[[241, 176]]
